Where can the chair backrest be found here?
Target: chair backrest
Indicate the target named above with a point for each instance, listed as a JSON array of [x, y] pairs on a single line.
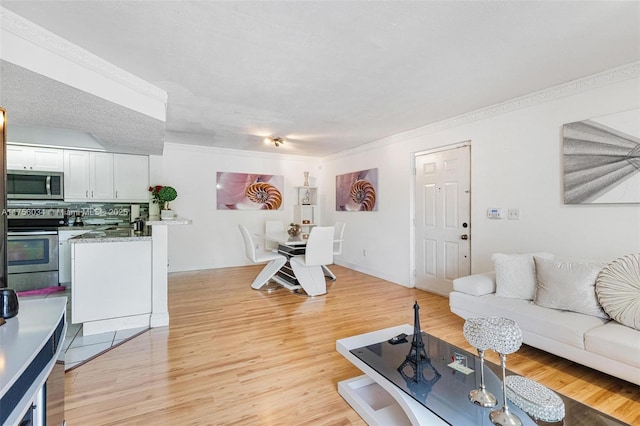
[[338, 234], [271, 227], [319, 250], [249, 245]]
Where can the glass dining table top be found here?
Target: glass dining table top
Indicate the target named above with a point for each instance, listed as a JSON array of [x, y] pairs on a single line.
[[283, 238]]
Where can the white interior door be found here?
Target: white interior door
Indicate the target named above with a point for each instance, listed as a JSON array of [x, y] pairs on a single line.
[[442, 204]]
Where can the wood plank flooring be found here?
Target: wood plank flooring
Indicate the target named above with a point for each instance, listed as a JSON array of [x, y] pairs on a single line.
[[236, 356]]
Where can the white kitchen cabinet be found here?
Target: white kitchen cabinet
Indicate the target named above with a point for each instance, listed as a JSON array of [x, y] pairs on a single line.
[[64, 253], [88, 176], [101, 173], [131, 177], [110, 283], [21, 157], [102, 176]]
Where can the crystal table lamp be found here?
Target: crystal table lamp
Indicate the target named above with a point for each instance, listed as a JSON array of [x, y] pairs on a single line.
[[476, 333], [506, 338]]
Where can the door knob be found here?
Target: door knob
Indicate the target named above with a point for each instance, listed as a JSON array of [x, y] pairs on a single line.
[[464, 236]]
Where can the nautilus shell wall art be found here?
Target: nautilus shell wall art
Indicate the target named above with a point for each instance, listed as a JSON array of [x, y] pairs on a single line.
[[357, 191], [244, 191]]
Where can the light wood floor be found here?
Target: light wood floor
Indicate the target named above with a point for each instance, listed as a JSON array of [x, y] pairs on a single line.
[[236, 356]]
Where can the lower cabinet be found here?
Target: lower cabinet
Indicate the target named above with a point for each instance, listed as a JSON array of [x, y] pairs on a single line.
[[111, 285]]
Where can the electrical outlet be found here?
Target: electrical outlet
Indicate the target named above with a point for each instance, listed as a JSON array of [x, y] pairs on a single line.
[[364, 253], [514, 214]]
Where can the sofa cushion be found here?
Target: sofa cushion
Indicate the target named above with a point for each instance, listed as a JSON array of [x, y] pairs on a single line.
[[477, 284], [568, 285], [563, 326], [516, 274], [615, 341], [618, 290]]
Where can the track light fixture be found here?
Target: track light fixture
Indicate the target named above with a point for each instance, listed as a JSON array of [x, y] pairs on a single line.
[[276, 141]]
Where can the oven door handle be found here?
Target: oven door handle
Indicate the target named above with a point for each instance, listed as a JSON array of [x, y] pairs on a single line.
[[30, 233]]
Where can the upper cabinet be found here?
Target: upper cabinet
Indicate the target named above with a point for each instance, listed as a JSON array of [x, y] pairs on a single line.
[[101, 176], [131, 177], [20, 157]]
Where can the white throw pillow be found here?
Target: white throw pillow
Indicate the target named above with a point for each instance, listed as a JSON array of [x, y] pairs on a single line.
[[516, 274], [618, 290], [568, 285]]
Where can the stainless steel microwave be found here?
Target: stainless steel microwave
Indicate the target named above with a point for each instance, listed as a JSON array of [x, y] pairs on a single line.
[[30, 185]]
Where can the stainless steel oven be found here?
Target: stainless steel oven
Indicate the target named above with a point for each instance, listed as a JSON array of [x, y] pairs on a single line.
[[32, 247]]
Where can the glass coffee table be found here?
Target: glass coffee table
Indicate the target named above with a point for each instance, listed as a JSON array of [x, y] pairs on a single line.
[[385, 395]]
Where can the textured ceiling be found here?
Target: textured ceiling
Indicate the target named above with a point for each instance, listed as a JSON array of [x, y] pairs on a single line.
[[326, 75]]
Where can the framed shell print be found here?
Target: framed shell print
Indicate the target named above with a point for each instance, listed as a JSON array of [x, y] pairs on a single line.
[[357, 191], [248, 191]]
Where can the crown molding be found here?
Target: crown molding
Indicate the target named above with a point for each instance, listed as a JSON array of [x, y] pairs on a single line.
[[614, 75], [45, 39]]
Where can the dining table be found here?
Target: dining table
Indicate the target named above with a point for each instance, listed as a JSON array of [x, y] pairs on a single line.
[[290, 246]]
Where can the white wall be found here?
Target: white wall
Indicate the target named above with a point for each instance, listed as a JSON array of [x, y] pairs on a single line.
[[213, 240], [516, 162]]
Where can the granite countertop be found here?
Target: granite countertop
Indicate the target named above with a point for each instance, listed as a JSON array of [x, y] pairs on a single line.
[[106, 233], [112, 234], [178, 220]]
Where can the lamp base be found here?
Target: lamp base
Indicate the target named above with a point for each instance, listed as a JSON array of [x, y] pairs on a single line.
[[504, 417], [483, 398]]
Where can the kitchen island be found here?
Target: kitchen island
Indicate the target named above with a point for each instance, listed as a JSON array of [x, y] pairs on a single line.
[[119, 277]]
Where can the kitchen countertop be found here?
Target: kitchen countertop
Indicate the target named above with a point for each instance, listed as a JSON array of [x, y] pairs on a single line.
[[178, 220], [112, 234]]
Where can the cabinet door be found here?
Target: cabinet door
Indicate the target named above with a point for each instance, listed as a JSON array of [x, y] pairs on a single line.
[[131, 177], [18, 157], [101, 172], [77, 183], [34, 158], [47, 159]]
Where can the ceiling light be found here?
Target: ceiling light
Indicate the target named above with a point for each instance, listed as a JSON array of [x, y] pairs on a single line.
[[276, 141]]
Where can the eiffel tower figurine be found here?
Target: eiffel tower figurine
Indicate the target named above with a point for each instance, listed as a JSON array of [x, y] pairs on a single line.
[[417, 358]]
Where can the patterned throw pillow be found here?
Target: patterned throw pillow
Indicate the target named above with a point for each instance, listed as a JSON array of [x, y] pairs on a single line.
[[516, 274], [569, 286]]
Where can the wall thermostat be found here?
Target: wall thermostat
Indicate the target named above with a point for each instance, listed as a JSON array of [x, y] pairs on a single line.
[[495, 213]]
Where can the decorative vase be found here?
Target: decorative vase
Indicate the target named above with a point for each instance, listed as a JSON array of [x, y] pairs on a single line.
[[167, 214], [154, 209], [306, 179], [294, 230]]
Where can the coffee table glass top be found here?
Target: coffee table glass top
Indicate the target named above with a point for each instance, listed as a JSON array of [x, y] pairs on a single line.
[[447, 384]]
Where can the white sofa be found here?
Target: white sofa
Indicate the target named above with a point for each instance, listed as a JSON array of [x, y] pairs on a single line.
[[596, 342]]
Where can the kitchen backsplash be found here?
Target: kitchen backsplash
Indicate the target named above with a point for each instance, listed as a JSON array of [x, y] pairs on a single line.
[[92, 213]]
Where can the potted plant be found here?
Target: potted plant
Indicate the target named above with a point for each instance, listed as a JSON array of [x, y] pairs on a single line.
[[162, 196]]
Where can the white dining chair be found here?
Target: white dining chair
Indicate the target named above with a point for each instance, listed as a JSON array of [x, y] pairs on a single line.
[[308, 267], [275, 260], [338, 234], [273, 227]]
